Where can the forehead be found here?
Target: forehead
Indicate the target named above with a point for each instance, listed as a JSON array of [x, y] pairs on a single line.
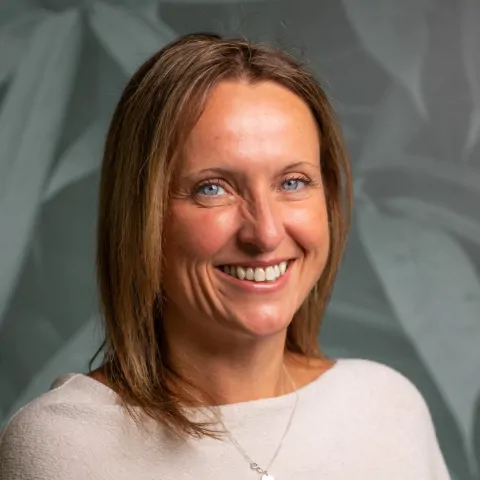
[[243, 121]]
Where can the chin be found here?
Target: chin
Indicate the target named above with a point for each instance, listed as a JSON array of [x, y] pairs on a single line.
[[264, 322]]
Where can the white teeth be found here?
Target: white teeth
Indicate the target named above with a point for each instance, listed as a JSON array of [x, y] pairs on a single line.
[[277, 271], [270, 274], [241, 273], [259, 274]]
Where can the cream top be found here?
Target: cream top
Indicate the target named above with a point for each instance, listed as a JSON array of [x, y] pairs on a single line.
[[359, 420]]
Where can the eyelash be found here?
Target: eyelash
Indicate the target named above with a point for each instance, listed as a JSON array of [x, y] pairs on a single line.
[[222, 183], [214, 181], [307, 181]]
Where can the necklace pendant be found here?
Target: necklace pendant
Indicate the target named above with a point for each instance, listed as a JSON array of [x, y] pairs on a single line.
[[265, 475]]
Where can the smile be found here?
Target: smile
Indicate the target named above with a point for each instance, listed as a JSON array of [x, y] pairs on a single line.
[[256, 274]]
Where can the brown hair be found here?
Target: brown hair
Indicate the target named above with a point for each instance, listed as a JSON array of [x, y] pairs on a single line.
[[155, 114]]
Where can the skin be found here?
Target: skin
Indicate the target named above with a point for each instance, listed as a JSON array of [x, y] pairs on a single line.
[[248, 188]]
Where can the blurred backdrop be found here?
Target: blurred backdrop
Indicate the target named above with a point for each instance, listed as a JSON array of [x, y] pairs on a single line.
[[404, 77]]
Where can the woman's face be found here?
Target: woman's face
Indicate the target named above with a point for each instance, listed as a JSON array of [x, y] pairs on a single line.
[[247, 236]]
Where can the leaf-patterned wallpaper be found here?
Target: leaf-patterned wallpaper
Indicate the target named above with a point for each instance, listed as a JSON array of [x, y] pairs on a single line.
[[405, 80]]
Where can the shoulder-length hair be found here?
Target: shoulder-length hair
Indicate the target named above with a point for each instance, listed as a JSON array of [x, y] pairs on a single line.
[[155, 114]]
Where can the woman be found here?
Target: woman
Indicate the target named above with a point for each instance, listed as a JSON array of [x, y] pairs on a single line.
[[224, 208]]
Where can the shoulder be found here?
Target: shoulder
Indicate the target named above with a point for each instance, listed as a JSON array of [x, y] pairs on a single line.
[[56, 436], [368, 391], [373, 376], [370, 381], [384, 404], [381, 390]]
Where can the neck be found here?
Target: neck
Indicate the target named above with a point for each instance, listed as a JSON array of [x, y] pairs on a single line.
[[229, 371]]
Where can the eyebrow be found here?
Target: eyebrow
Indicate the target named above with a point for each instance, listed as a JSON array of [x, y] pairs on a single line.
[[230, 171]]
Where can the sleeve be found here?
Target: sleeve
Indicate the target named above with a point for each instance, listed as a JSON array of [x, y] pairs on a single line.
[[402, 423], [412, 421], [435, 461], [36, 444]]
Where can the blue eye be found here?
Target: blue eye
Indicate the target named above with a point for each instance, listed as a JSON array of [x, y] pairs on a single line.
[[211, 190], [295, 184]]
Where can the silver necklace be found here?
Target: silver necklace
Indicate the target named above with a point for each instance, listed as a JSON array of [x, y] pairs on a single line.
[[253, 464]]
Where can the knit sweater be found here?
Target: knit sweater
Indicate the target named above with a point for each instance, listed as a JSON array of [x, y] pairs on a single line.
[[359, 420]]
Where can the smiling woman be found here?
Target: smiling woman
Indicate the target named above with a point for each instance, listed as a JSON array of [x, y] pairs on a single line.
[[224, 208], [242, 206]]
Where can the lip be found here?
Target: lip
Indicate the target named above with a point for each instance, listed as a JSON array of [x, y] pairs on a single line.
[[258, 287]]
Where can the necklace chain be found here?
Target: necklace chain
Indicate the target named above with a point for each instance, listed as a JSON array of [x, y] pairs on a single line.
[[252, 463]]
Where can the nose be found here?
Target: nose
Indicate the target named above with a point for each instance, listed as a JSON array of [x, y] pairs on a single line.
[[262, 228]]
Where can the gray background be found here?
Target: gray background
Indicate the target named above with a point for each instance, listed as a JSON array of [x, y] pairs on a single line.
[[405, 79]]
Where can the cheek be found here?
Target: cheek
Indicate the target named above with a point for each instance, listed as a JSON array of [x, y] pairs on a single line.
[[309, 226], [197, 234]]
